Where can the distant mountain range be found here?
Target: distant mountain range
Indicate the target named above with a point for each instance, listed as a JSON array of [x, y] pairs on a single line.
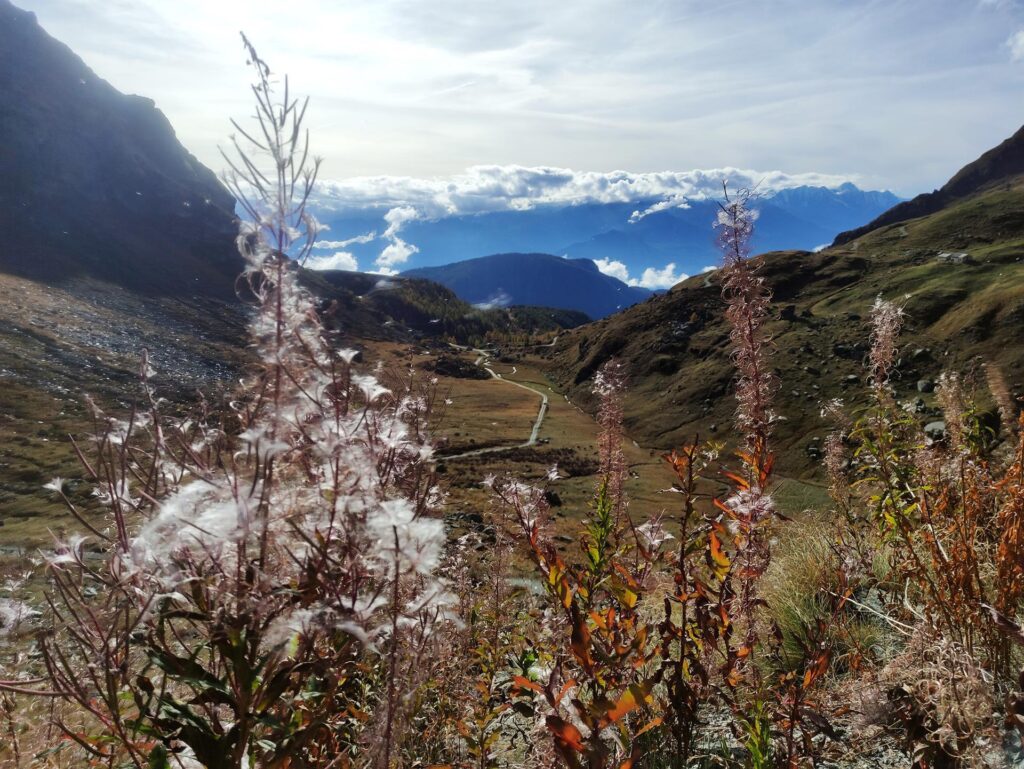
[[680, 234], [501, 280]]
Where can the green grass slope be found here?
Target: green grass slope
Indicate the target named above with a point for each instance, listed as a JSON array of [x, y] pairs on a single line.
[[959, 315]]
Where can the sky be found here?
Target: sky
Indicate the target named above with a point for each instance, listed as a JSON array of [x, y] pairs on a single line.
[[893, 94]]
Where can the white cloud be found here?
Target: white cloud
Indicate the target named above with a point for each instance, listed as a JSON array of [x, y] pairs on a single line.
[[340, 260], [496, 301], [1016, 45], [397, 218], [368, 237], [651, 278], [709, 268], [675, 201], [666, 277], [482, 189], [397, 251], [614, 268]]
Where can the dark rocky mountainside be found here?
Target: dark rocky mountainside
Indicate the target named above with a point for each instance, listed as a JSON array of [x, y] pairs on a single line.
[[997, 166], [535, 279], [958, 270], [94, 183]]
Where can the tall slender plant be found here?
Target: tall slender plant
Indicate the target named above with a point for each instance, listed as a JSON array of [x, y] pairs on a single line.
[[267, 595]]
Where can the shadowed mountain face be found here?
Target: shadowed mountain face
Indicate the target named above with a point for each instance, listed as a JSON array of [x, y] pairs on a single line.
[[994, 167], [94, 183], [959, 271], [535, 279]]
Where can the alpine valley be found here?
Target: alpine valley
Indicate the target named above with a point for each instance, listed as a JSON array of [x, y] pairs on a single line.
[[119, 242]]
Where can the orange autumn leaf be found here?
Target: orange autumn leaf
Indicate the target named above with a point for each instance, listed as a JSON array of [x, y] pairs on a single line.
[[565, 733], [653, 724], [817, 670], [717, 559], [626, 704], [526, 683]]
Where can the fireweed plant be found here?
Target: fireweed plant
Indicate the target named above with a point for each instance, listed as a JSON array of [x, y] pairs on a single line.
[[946, 513], [268, 592]]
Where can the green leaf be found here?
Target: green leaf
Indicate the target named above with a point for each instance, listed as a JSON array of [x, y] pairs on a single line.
[[158, 758]]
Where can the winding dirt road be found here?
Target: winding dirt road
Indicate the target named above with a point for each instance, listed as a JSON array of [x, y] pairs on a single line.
[[482, 358]]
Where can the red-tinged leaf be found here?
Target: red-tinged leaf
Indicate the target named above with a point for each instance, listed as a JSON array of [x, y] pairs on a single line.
[[653, 724], [579, 641], [526, 683], [847, 594], [565, 733], [739, 480], [717, 559], [566, 687], [624, 573], [816, 670]]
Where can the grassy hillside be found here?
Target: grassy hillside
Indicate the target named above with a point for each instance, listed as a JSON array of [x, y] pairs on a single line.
[[59, 345], [959, 315]]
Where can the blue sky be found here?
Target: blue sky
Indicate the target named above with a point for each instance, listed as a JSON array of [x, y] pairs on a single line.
[[894, 94]]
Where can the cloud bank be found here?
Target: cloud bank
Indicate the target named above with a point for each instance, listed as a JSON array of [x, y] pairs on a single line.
[[484, 189], [368, 237]]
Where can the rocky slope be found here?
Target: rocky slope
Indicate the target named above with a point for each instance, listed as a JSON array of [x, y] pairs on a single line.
[[958, 270], [94, 182]]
